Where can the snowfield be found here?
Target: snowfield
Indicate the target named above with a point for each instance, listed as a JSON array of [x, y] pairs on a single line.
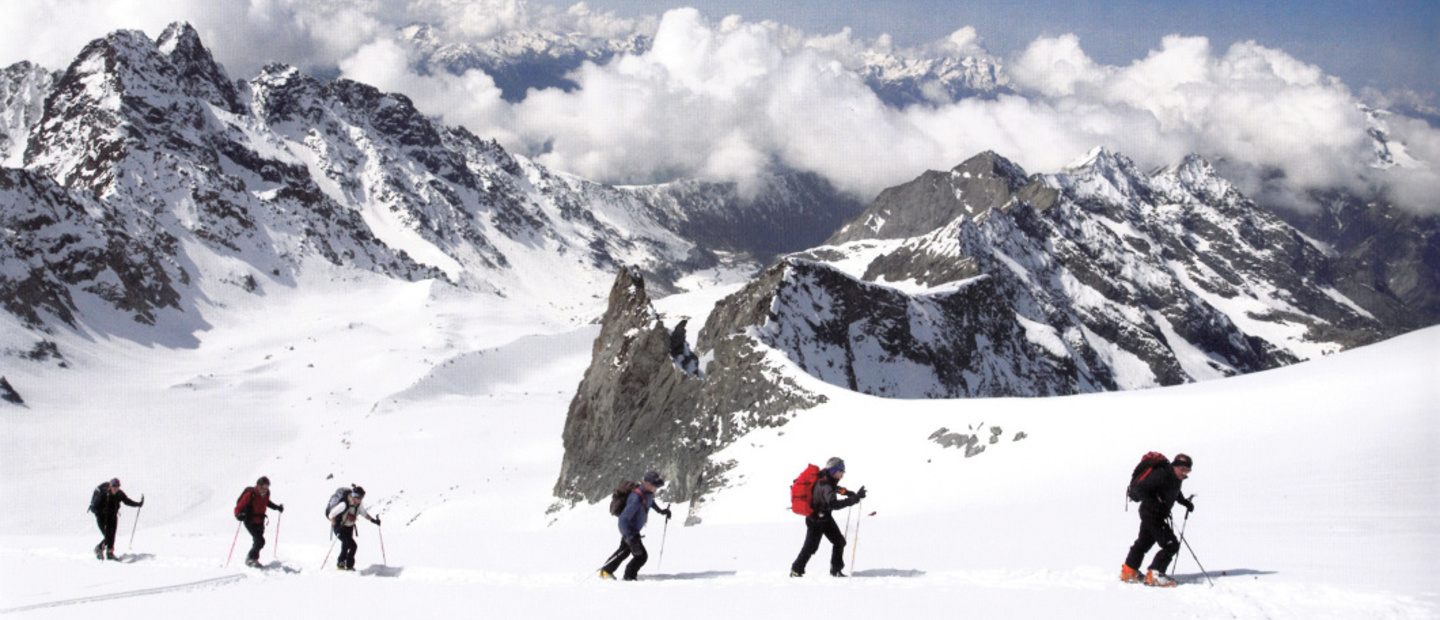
[[1317, 486]]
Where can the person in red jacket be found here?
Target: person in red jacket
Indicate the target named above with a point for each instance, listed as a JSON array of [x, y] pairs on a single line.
[[250, 510]]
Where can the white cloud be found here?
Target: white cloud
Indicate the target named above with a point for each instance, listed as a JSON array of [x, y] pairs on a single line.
[[730, 99]]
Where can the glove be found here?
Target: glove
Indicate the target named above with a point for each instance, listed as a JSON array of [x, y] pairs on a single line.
[[666, 512], [1189, 505], [376, 521], [142, 502], [280, 507], [860, 494]]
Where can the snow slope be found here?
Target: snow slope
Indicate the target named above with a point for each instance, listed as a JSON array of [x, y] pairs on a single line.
[[1316, 484]]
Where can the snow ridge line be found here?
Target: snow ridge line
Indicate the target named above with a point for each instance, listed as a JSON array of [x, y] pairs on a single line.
[[105, 597]]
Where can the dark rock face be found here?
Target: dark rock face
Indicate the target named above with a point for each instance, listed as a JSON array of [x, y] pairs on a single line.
[[964, 341], [637, 409], [1385, 258], [8, 393]]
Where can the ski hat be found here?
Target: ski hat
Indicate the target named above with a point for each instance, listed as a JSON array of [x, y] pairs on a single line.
[[834, 465], [1182, 460], [654, 479], [358, 490], [264, 480]]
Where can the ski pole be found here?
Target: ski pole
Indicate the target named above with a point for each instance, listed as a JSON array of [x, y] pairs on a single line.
[[663, 534], [232, 544], [384, 561], [275, 550], [327, 553], [130, 546], [1197, 562], [855, 550], [1175, 565], [848, 514]]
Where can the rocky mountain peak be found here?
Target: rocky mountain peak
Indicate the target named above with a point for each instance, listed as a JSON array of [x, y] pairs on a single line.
[[935, 199], [200, 75]]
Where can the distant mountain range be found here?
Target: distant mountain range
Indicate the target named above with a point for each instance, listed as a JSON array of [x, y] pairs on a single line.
[[142, 178], [522, 60]]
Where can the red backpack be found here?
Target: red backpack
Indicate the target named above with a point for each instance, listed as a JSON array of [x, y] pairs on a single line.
[[243, 504], [802, 490], [1148, 463]]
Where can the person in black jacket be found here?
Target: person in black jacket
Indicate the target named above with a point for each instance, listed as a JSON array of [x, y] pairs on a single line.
[[1159, 491], [823, 501], [105, 503]]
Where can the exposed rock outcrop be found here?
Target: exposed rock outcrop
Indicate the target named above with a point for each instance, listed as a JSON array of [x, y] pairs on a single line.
[[638, 408]]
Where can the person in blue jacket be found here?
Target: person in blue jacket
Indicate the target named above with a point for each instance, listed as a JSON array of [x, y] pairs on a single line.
[[637, 508]]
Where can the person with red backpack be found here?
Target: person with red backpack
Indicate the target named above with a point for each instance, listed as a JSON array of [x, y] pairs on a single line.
[[824, 499], [105, 503], [1157, 488], [638, 504], [250, 510]]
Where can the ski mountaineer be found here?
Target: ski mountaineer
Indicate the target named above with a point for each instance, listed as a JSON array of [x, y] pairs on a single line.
[[250, 510], [637, 508], [1159, 492], [823, 501], [342, 522], [105, 503]]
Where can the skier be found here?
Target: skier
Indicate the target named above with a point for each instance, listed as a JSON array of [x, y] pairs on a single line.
[[105, 503], [823, 501], [1159, 491], [342, 522], [637, 509], [250, 510]]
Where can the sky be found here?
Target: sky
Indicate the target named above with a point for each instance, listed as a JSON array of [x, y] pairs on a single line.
[[1273, 93]]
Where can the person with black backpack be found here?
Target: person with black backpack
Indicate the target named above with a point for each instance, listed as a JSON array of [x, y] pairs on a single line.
[[638, 504], [105, 503], [1156, 485], [342, 522], [824, 500], [250, 510]]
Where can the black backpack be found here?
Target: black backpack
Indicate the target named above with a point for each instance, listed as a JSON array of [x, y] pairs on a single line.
[[97, 499], [621, 495], [1148, 463]]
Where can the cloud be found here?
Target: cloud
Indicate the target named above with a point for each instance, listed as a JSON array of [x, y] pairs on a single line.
[[731, 99]]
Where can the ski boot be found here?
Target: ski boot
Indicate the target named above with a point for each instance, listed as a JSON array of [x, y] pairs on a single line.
[[838, 573], [1159, 579], [1130, 575], [253, 563], [100, 551], [605, 574], [796, 574]]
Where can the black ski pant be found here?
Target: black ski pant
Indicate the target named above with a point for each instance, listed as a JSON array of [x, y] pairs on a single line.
[[348, 546], [1152, 531], [814, 529], [629, 548], [257, 539], [108, 524]]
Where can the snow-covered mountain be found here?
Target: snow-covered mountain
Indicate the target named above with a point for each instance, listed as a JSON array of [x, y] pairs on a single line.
[[152, 182], [980, 281], [522, 60], [519, 60]]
